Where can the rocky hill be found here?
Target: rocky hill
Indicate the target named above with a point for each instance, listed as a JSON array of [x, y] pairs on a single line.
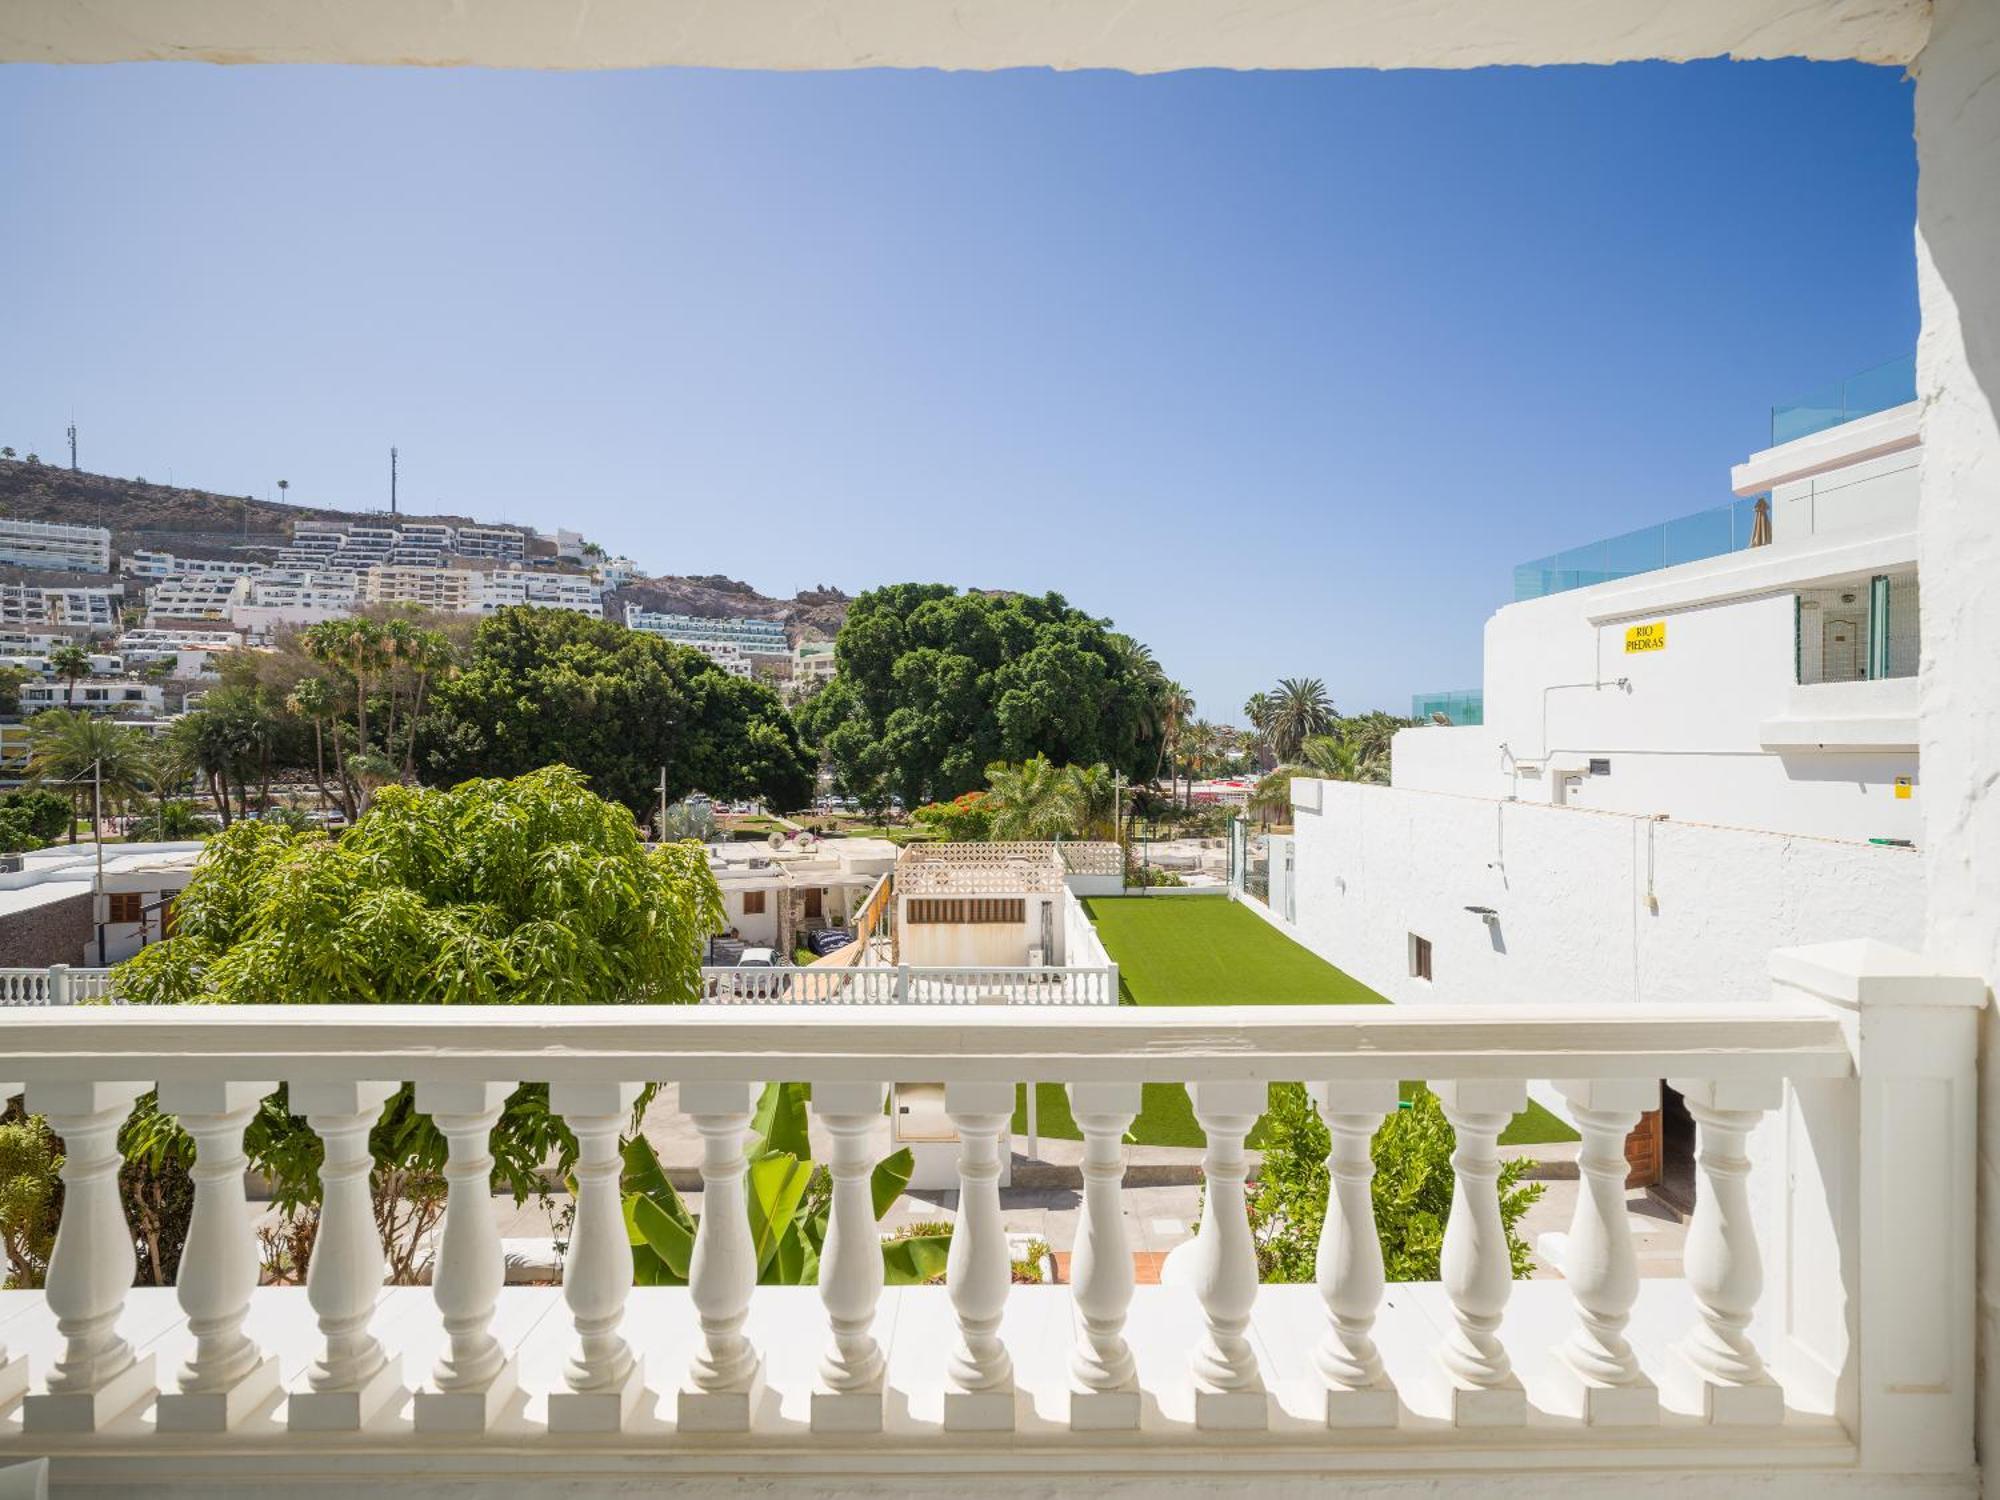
[[202, 523]]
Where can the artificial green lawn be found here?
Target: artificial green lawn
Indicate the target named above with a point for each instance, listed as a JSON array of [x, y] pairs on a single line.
[[1208, 950]]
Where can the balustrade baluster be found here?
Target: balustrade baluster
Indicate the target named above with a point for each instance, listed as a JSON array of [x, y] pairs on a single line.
[[1599, 1375], [474, 1376], [227, 1376], [1229, 1387], [353, 1378], [980, 1396], [850, 1392], [1716, 1369], [1475, 1267], [604, 1377], [1348, 1265], [1104, 1388], [726, 1380], [13, 1368], [98, 1377]]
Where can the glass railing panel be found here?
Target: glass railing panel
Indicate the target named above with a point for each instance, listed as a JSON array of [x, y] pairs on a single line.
[[1859, 395]]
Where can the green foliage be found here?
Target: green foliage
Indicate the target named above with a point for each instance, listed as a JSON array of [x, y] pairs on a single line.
[[67, 747], [935, 686], [17, 835], [30, 1196], [174, 819], [157, 1189], [532, 891], [965, 819], [11, 678], [790, 1205], [1040, 800], [546, 686], [1411, 1191], [42, 814]]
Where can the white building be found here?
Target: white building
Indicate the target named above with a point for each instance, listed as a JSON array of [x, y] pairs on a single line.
[[193, 652], [738, 646], [147, 563], [94, 695], [500, 543], [92, 609], [62, 905], [195, 598], [46, 544], [1001, 905], [814, 664], [452, 591], [616, 572], [775, 893], [502, 587]]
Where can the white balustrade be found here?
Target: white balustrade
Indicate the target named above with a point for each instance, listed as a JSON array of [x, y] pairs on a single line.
[[98, 1377], [726, 1380], [13, 1368], [907, 984], [227, 1377], [1476, 1267], [474, 1376], [1604, 1383], [1228, 1386], [849, 1397], [1348, 1265], [605, 1379], [1348, 1345], [353, 1379], [978, 1271], [1718, 1369], [1104, 1390]]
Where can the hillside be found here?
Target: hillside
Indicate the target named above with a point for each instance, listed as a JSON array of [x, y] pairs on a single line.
[[202, 523]]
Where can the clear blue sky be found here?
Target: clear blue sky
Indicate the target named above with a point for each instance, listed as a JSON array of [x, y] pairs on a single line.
[[1283, 372]]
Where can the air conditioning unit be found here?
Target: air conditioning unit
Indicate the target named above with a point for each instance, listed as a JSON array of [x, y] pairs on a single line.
[[12, 864]]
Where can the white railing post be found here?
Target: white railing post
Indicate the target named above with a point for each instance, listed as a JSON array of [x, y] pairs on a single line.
[[98, 1377], [1104, 1383], [474, 1376], [1476, 1268], [604, 1377], [13, 1368], [1348, 1265], [1599, 1375], [1894, 1278], [59, 993], [980, 1396], [903, 996], [1229, 1391], [227, 1377], [849, 1395], [353, 1379], [726, 1379], [1717, 1369]]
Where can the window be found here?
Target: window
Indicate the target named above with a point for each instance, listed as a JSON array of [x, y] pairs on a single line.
[[753, 903], [1861, 631], [125, 906], [1420, 957], [981, 911]]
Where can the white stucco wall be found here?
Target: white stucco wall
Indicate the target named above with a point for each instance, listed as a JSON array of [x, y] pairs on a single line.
[[1376, 864], [1958, 380]]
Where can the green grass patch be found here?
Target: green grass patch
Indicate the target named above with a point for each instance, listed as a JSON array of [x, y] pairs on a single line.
[[1208, 950]]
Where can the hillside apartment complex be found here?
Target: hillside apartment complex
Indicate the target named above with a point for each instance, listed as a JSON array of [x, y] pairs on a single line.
[[1822, 1339]]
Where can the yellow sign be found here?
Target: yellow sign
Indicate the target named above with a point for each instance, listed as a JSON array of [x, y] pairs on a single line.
[[1902, 788], [1651, 637]]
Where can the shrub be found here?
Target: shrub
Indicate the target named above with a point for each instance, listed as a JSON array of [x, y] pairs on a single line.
[[1411, 1191], [30, 1196]]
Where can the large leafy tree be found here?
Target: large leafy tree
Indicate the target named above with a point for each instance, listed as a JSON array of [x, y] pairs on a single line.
[[936, 685], [542, 687]]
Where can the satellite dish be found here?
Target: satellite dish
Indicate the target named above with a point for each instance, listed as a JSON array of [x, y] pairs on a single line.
[[776, 839]]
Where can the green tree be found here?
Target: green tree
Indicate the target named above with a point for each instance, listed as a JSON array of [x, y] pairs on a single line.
[[1299, 709], [963, 820], [82, 752], [69, 662], [531, 891], [936, 685], [312, 699], [43, 814], [1035, 800], [543, 686], [11, 678], [1412, 1190], [30, 1195]]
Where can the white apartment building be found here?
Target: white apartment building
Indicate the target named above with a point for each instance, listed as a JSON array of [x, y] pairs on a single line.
[[754, 639], [48, 544], [193, 652], [93, 609], [500, 543], [813, 663], [94, 695], [771, 895], [502, 587], [453, 591], [195, 598], [616, 572], [147, 563]]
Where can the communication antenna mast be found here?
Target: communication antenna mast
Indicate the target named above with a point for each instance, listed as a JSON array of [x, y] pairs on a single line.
[[392, 481], [72, 445]]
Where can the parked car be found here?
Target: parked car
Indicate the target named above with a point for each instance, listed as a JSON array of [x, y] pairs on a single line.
[[755, 986]]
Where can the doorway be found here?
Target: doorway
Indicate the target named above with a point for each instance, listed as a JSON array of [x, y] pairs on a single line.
[[1677, 1146]]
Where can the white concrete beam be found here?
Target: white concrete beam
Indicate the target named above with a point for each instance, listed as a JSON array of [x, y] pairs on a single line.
[[1157, 36]]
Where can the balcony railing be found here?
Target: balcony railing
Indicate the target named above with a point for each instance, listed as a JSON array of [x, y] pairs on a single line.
[[1685, 539], [1824, 1322], [58, 984], [912, 984], [1876, 389]]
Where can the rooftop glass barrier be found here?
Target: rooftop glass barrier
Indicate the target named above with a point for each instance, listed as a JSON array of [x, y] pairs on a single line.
[[1706, 533], [1465, 706], [1861, 395]]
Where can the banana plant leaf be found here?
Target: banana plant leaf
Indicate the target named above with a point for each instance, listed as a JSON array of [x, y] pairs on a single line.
[[657, 1224], [779, 1123], [776, 1183], [914, 1261], [890, 1177]]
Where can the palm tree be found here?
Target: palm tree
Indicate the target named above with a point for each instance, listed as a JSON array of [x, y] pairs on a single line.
[[81, 751], [1300, 709], [70, 662], [312, 698], [354, 647], [432, 655], [1175, 706], [1095, 792], [1035, 800]]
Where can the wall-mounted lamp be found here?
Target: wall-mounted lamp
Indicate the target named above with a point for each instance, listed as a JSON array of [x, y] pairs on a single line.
[[1485, 914]]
